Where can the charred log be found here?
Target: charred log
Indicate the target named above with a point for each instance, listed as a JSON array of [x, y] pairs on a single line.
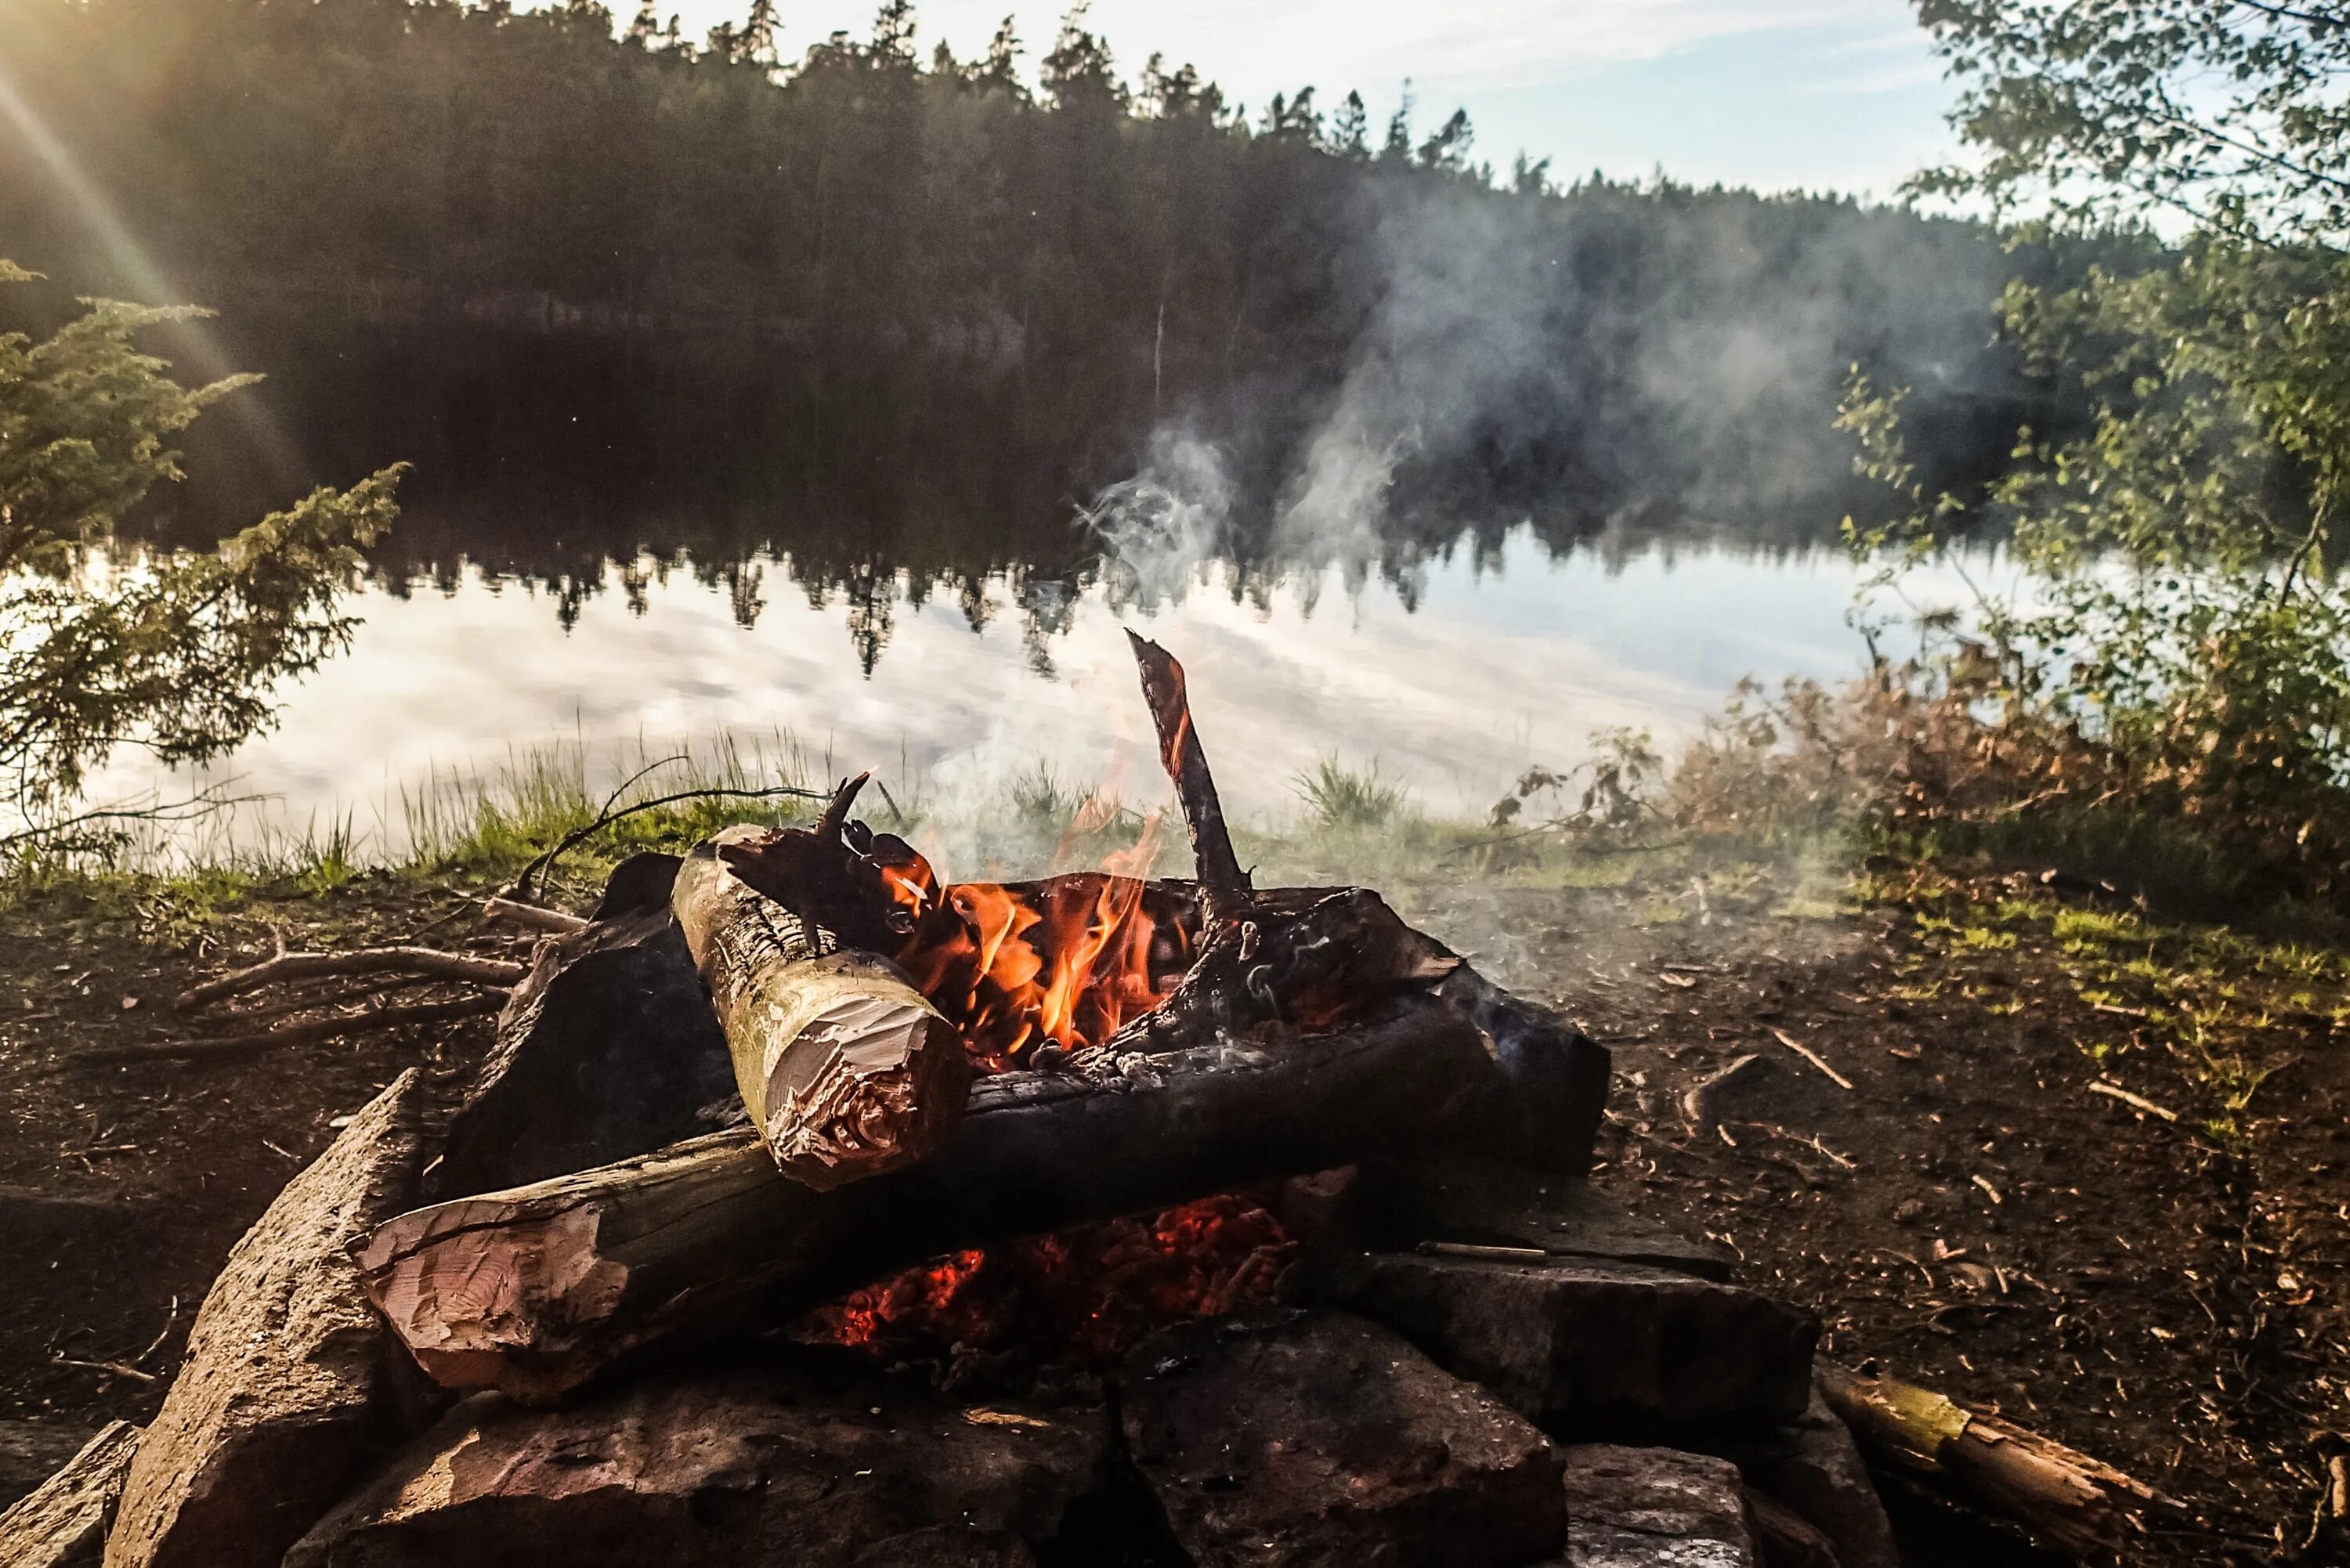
[[531, 1290]]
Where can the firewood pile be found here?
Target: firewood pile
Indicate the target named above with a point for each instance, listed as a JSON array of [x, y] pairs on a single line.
[[811, 1209]]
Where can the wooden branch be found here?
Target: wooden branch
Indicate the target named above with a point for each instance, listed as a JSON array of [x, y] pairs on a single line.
[[533, 1290], [1224, 888], [2054, 1492], [530, 917], [228, 1047], [846, 1070], [433, 962]]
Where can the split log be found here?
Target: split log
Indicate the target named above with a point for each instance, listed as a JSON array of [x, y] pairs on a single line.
[[847, 1071], [1542, 1107], [287, 1390], [608, 1051], [62, 1522], [33, 1451], [529, 917], [2055, 1492], [531, 1290]]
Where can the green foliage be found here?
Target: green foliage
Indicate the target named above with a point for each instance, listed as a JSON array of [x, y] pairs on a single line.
[[100, 646], [2182, 645]]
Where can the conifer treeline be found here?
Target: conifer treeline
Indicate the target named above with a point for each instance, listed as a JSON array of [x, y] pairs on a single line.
[[1098, 248]]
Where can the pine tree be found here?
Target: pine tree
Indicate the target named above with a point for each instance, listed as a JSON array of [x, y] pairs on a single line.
[[1350, 129], [1000, 69], [1448, 150], [1398, 149], [893, 34]]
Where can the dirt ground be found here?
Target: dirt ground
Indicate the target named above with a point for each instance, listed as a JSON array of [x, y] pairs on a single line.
[[2165, 1295]]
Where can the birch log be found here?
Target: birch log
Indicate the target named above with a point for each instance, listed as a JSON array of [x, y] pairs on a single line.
[[847, 1071]]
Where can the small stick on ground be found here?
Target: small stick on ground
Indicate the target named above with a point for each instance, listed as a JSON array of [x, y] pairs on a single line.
[[1808, 1054], [530, 917], [286, 967], [2134, 1102], [228, 1047]]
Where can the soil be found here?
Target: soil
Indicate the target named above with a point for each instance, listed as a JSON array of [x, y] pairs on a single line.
[[2168, 1295]]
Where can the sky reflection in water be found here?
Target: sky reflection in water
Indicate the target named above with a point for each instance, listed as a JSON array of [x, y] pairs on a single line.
[[1492, 671]]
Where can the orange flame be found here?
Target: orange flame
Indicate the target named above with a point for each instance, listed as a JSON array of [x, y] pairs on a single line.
[[1062, 962]]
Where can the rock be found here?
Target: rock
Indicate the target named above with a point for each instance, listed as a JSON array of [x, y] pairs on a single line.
[[62, 1522], [1325, 1442], [1591, 1345], [1764, 1089], [1465, 1199], [1812, 1466], [610, 1049], [800, 1462], [33, 1451], [284, 1392], [1654, 1508]]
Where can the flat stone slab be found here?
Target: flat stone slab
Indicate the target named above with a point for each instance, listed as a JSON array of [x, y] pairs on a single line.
[[1325, 1441], [284, 1394], [62, 1522], [1655, 1508], [730, 1469], [1591, 1346], [1464, 1200]]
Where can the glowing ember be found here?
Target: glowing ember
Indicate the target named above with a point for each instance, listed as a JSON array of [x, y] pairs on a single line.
[[1016, 967], [1083, 1295]]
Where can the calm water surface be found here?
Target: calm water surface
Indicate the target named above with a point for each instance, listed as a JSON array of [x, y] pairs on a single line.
[[1488, 668]]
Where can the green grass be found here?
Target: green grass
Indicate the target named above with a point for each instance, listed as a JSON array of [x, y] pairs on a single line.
[[1340, 797]]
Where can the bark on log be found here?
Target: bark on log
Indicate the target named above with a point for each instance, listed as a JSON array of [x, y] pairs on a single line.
[[847, 1071], [2052, 1491], [286, 1386], [62, 1522], [531, 1290], [529, 917]]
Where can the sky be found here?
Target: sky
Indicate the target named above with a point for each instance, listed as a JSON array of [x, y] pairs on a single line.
[[1841, 95]]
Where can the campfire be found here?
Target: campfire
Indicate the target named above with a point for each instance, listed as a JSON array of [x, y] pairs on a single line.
[[810, 1207]]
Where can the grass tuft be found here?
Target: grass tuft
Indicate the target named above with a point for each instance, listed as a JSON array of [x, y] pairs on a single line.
[[1343, 798]]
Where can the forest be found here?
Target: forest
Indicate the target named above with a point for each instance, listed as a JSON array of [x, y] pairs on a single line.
[[617, 260]]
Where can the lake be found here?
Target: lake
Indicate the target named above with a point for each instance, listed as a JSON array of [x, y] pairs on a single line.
[[1481, 664], [621, 549]]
